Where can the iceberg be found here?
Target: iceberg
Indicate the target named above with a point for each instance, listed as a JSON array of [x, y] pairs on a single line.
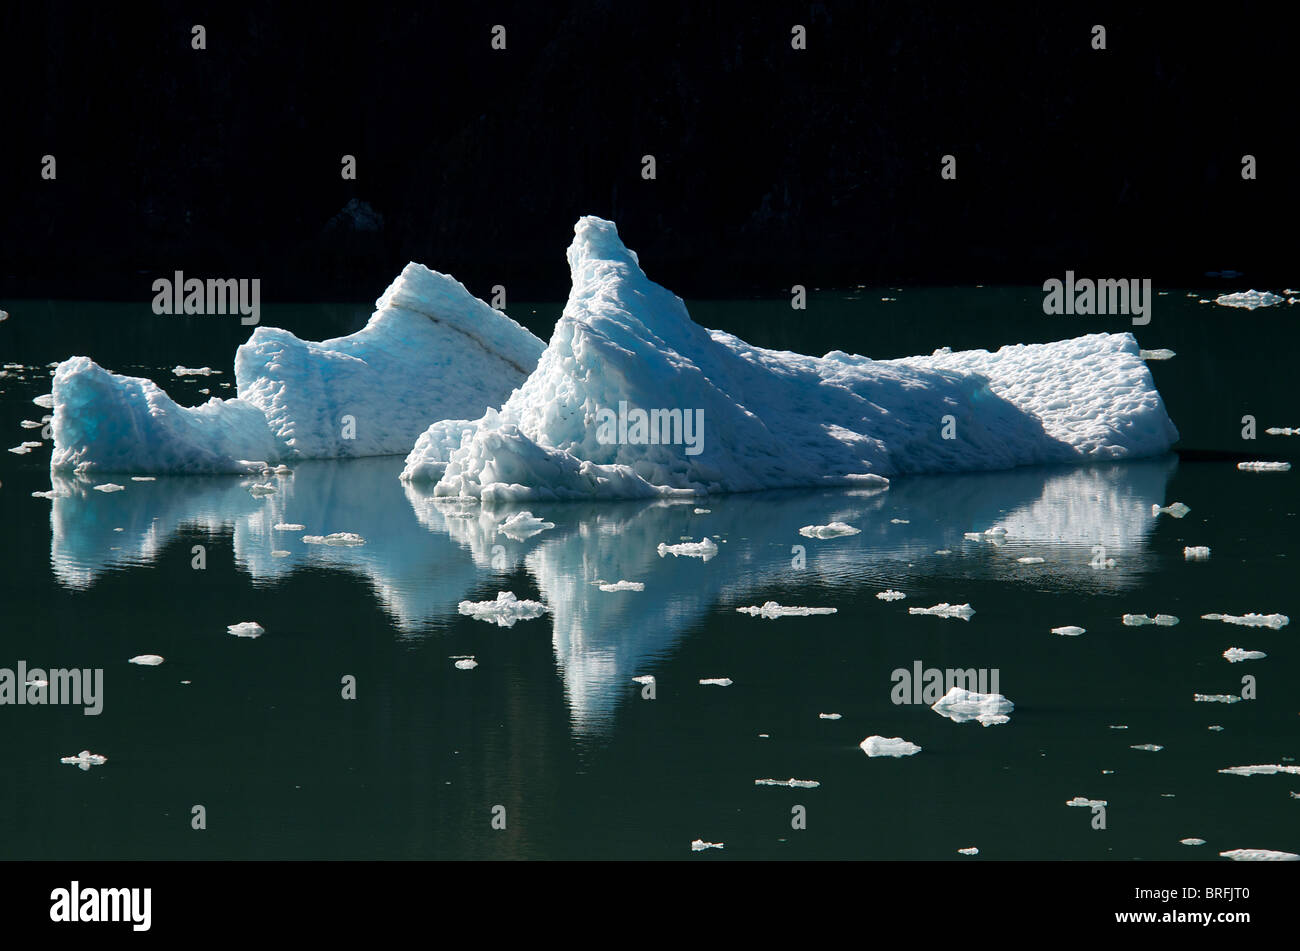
[[1274, 621], [946, 610], [504, 611], [431, 351], [894, 746], [590, 421], [1259, 855], [771, 610], [961, 705]]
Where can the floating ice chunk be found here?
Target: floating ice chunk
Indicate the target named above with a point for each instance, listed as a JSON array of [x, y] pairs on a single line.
[[624, 586], [791, 783], [504, 611], [1274, 621], [943, 551], [1235, 655], [1259, 855], [523, 525], [699, 845], [970, 851], [1147, 747], [1191, 841], [1270, 769], [716, 682], [279, 553], [996, 530], [1196, 553], [44, 401], [84, 760], [771, 610], [22, 450], [1161, 354], [944, 609], [890, 595], [262, 488], [109, 487], [704, 549], [1215, 728], [1283, 431], [828, 716], [246, 629], [48, 494], [334, 538], [888, 746], [30, 424], [144, 478], [961, 705], [1030, 560], [1264, 466], [646, 679], [466, 663], [146, 660], [1177, 509], [4, 315], [833, 530], [194, 371], [1083, 803], [1069, 630], [1216, 698], [900, 521], [1137, 620], [1249, 299], [289, 527], [703, 511]]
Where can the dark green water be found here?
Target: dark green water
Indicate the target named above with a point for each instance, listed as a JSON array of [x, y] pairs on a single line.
[[550, 724]]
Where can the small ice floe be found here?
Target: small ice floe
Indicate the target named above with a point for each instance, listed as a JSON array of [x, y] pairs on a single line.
[[943, 551], [704, 549], [263, 488], [1030, 560], [970, 851], [1191, 841], [504, 611], [703, 511], [466, 663], [30, 424], [1258, 466], [699, 845], [888, 746], [890, 595], [246, 629], [623, 586], [1215, 728], [22, 450], [1177, 509], [1147, 747], [792, 783], [833, 530], [289, 527], [1083, 803], [194, 371], [37, 682], [1137, 620], [716, 682], [44, 401], [144, 478], [523, 525], [1275, 621], [900, 521], [1259, 855], [1270, 769], [84, 760], [279, 553], [1216, 698], [1272, 430], [1070, 630], [4, 315], [1235, 655], [146, 660], [1196, 553], [1249, 299], [48, 494], [961, 705], [334, 538], [944, 609], [646, 679], [1160, 354], [109, 487], [771, 610]]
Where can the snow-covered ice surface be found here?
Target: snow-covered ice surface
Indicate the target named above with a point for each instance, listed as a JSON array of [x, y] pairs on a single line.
[[961, 706], [771, 610], [504, 611], [1274, 621], [771, 419], [430, 351], [888, 746], [1260, 855]]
